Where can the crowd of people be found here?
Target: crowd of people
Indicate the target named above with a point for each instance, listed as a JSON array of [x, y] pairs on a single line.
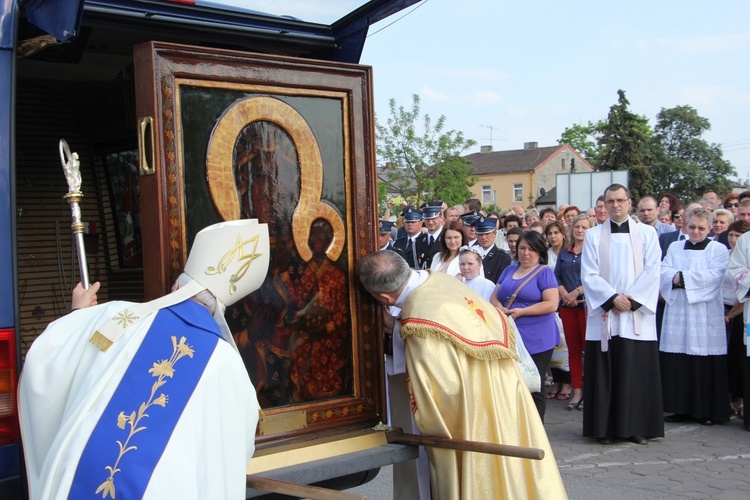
[[634, 309]]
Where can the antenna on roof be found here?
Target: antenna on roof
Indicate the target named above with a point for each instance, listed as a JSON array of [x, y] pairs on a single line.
[[491, 127]]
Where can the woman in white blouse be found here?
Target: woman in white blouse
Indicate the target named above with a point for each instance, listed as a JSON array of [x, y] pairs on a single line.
[[446, 260]]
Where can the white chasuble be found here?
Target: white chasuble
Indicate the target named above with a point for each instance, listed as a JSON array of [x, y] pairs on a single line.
[[694, 316], [623, 280], [67, 384]]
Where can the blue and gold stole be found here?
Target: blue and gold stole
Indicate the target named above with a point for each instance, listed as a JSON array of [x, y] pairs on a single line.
[[132, 433]]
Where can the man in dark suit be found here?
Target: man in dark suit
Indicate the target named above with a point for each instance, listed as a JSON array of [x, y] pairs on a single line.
[[667, 239], [412, 245], [494, 260], [467, 219], [385, 232], [432, 216]]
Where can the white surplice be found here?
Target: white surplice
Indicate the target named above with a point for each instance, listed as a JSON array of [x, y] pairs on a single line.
[[481, 285], [694, 316], [644, 289], [738, 271], [67, 383]]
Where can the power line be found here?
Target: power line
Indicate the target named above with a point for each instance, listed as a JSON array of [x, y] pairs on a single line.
[[397, 20]]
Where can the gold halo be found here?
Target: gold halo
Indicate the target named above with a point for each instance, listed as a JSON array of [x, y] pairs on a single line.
[[220, 171]]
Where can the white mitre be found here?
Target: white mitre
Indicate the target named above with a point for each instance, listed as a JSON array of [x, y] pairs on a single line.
[[229, 259]]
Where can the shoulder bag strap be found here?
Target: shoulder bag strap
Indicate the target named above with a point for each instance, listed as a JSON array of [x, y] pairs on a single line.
[[528, 278]]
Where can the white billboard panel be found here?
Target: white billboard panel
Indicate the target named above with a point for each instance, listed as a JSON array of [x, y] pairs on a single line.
[[582, 189]]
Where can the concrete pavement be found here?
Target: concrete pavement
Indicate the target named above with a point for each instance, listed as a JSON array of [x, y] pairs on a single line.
[[691, 461]]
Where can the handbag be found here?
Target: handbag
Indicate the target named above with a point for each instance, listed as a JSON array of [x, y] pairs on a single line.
[[526, 365]]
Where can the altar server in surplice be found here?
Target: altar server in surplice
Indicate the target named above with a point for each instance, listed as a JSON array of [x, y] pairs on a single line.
[[620, 276], [693, 340]]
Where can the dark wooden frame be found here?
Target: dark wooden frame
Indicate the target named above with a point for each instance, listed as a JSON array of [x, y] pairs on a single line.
[[160, 69]]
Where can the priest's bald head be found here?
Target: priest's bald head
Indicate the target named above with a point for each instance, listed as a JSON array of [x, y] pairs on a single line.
[[384, 274]]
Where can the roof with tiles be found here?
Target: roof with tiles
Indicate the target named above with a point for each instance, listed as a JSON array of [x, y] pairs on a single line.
[[513, 161]]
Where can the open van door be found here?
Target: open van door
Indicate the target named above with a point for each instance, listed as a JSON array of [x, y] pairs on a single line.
[[59, 18]]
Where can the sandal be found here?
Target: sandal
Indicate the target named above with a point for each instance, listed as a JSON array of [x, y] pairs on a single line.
[[563, 396], [578, 405], [552, 394]]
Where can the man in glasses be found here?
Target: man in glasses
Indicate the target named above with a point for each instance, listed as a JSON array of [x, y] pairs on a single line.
[[620, 267]]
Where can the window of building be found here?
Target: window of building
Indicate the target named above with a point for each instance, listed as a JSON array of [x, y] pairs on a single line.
[[518, 192], [487, 195]]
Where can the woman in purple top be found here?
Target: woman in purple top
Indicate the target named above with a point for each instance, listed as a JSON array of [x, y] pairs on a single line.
[[535, 304]]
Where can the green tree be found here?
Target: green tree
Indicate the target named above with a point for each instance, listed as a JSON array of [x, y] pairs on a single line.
[[452, 180], [685, 164], [583, 138], [423, 163], [625, 145]]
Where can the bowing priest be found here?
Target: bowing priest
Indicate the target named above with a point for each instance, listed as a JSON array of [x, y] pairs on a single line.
[[620, 275], [464, 383], [126, 400]]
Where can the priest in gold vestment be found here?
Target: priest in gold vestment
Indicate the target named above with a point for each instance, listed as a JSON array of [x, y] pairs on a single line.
[[464, 383]]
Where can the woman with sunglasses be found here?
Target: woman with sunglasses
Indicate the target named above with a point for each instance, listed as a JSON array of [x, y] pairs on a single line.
[[732, 203]]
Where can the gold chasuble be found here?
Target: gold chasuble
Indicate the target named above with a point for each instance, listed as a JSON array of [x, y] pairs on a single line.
[[461, 364]]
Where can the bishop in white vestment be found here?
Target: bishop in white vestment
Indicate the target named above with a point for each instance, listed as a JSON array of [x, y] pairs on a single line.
[[693, 341], [620, 275], [148, 400]]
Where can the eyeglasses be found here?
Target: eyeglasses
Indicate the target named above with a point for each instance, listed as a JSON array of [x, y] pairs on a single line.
[[619, 201], [676, 216], [735, 204]]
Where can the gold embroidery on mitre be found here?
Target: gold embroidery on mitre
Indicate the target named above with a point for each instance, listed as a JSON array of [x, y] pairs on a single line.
[[228, 257], [161, 370]]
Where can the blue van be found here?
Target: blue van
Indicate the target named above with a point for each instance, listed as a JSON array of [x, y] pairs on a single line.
[[78, 70]]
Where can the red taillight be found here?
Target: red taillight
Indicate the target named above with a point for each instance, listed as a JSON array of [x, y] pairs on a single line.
[[8, 411]]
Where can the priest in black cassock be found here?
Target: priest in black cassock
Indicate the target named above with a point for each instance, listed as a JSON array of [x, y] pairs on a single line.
[[620, 268], [494, 260]]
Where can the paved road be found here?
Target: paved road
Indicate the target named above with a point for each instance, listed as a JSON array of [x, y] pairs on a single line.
[[691, 461]]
